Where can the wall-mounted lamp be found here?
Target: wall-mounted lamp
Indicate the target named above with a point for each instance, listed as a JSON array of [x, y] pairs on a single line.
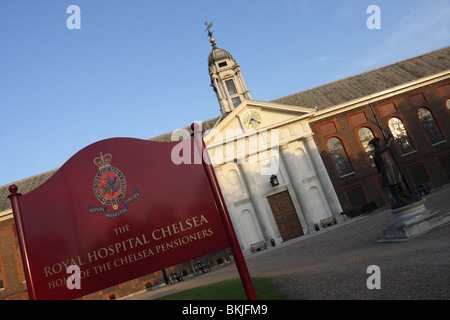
[[274, 180]]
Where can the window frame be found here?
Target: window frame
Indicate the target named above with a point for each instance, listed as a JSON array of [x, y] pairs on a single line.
[[370, 160], [447, 103], [228, 89], [407, 134], [436, 123], [352, 167], [234, 98]]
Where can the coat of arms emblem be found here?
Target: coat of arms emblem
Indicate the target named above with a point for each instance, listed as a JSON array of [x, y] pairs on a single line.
[[109, 182]]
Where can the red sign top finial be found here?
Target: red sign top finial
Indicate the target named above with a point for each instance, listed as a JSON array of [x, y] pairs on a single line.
[[13, 189]]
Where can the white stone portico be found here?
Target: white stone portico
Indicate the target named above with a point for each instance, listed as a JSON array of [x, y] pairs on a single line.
[[245, 158]]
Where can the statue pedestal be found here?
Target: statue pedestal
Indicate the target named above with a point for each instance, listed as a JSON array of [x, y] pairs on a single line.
[[412, 221]]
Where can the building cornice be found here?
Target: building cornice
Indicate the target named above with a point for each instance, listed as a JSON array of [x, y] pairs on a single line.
[[356, 103], [6, 215]]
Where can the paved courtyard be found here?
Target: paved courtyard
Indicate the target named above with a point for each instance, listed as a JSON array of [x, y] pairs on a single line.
[[332, 263]]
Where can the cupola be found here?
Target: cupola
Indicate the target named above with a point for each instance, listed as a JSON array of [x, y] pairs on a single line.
[[226, 78]]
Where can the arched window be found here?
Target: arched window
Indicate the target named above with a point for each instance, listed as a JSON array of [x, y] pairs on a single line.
[[430, 126], [339, 156], [365, 135], [400, 135]]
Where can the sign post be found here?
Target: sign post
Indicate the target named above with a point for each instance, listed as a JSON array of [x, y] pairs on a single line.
[[14, 198], [225, 217]]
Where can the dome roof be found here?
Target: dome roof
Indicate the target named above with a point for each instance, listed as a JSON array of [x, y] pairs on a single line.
[[218, 54]]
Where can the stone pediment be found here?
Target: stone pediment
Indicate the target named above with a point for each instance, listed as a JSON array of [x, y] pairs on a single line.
[[256, 129], [252, 116]]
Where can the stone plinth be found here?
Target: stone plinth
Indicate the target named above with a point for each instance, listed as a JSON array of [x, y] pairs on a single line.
[[413, 220]]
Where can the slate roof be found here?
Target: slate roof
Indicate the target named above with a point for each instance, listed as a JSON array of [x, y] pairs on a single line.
[[370, 82], [25, 185], [324, 96]]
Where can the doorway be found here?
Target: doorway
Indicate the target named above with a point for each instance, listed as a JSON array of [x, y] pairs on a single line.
[[285, 215]]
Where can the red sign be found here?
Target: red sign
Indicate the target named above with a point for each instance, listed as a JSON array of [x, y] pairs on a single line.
[[118, 209]]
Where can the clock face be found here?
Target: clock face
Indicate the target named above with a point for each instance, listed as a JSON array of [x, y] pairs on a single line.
[[252, 119]]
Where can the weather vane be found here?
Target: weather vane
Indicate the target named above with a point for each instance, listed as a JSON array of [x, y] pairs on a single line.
[[208, 30]]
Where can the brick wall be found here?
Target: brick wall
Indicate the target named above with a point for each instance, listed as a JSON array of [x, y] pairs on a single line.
[[426, 164], [14, 287]]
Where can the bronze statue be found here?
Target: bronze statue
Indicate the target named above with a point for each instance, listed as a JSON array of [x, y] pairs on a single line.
[[391, 177]]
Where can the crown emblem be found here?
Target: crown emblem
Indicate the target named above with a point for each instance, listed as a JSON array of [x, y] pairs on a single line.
[[103, 161]]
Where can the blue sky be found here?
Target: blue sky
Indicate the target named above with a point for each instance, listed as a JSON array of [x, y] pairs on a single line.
[[138, 68]]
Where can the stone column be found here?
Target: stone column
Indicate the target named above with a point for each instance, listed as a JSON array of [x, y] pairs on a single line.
[[260, 203], [299, 187], [324, 178]]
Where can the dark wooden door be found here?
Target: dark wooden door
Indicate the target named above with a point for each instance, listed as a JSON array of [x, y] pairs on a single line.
[[285, 216]]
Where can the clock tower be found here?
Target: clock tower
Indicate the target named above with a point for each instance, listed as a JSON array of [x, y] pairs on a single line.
[[226, 78]]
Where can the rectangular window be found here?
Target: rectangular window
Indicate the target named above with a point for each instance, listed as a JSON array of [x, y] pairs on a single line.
[[222, 64], [236, 101], [231, 87]]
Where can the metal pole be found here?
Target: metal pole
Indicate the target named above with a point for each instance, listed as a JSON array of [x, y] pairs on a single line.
[[389, 148], [225, 217], [14, 198], [378, 122]]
